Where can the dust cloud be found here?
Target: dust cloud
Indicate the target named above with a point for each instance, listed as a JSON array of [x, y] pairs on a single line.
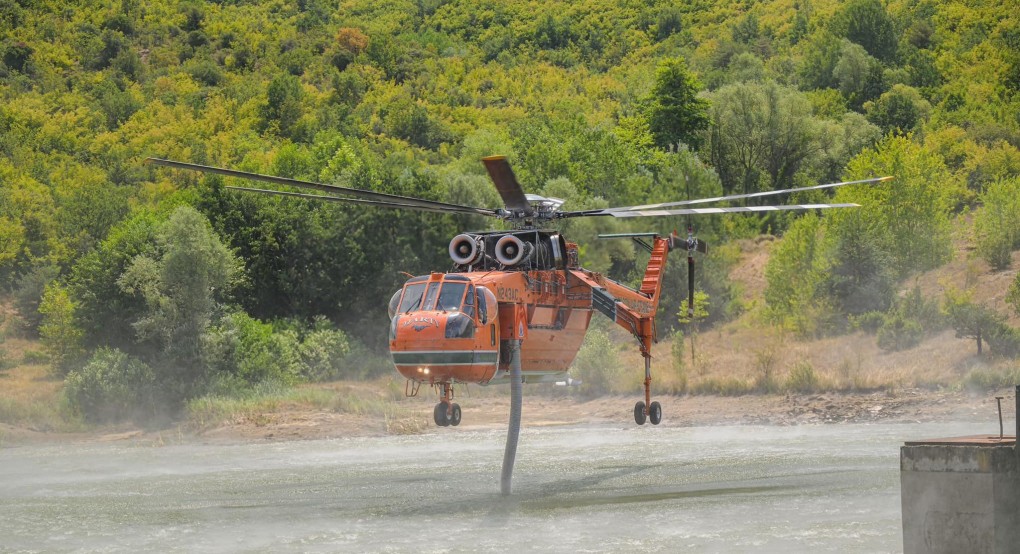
[[602, 488]]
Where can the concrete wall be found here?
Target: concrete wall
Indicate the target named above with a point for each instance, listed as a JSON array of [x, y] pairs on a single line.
[[959, 499]]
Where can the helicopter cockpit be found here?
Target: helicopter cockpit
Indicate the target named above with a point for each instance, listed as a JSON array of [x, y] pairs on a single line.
[[454, 296]]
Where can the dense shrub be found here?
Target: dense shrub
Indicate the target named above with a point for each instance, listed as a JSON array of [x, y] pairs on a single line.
[[323, 354], [112, 386], [248, 349], [802, 378], [597, 363], [899, 333]]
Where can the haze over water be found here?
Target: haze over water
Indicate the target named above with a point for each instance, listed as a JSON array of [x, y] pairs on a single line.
[[832, 488]]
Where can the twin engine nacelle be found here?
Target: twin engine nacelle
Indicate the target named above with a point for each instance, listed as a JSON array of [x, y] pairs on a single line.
[[468, 249]]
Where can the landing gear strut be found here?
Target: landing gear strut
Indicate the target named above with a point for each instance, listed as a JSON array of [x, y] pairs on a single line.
[[647, 409], [446, 412]]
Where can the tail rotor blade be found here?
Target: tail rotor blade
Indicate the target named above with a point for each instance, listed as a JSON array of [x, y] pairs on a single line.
[[690, 287]]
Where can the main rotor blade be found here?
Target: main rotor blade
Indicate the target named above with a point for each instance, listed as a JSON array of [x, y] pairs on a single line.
[[376, 203], [393, 200], [750, 195], [506, 183], [693, 211]]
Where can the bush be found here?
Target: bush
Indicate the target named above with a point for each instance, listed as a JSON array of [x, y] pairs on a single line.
[[112, 386], [766, 381], [988, 379], [323, 352], [869, 322], [1004, 341], [802, 378], [34, 357], [597, 363], [677, 356], [899, 333], [248, 349], [723, 386]]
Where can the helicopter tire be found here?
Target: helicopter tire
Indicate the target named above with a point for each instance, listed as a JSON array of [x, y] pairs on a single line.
[[655, 413], [639, 413], [439, 414], [455, 417]]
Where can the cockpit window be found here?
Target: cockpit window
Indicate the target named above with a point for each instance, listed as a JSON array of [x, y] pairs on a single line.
[[469, 301], [430, 296], [450, 297], [412, 297]]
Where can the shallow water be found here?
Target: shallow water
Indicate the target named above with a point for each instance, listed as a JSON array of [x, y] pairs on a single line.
[[832, 488]]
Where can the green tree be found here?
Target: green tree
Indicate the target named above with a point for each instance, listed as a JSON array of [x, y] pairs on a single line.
[[900, 110], [762, 134], [1013, 297], [794, 275], [180, 285], [61, 336], [908, 217], [971, 320], [676, 115], [997, 222], [866, 22]]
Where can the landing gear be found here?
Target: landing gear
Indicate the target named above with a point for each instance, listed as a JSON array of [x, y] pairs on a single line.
[[444, 414], [447, 412], [441, 414], [653, 414], [639, 413]]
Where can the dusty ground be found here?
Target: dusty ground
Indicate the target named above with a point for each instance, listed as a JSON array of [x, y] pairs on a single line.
[[490, 411]]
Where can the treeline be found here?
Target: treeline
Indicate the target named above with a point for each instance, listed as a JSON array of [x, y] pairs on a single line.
[[171, 283]]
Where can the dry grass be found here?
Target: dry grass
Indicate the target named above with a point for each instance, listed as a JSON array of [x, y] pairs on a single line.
[[31, 398]]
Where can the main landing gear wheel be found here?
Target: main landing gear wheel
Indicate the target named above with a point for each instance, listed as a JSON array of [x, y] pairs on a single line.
[[639, 413], [441, 415], [655, 413], [444, 415]]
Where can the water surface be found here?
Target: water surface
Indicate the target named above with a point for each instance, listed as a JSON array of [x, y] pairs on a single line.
[[832, 488]]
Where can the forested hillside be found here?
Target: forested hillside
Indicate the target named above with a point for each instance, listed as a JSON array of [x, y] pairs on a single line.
[[145, 283]]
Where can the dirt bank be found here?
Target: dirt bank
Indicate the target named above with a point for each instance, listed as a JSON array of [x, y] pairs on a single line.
[[491, 412]]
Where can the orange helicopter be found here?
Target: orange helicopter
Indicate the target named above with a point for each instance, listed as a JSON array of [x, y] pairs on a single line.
[[517, 304]]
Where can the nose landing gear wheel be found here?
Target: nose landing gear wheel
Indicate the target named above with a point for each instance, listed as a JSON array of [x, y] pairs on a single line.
[[655, 413], [639, 413], [440, 415], [455, 417]]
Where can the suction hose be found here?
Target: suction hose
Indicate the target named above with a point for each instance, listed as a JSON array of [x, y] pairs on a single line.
[[514, 429]]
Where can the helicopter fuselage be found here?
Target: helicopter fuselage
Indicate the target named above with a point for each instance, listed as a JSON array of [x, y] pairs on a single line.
[[454, 327]]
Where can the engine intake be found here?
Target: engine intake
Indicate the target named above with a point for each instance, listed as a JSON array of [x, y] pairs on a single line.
[[511, 250], [465, 249]]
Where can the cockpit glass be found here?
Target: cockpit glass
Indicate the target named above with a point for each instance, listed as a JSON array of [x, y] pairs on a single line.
[[412, 297], [469, 301], [430, 296], [450, 297]]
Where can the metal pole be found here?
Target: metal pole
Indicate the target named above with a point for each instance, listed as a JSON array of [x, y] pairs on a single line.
[[514, 429], [998, 402]]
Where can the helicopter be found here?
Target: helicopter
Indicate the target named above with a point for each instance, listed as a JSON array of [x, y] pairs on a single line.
[[519, 297], [517, 303]]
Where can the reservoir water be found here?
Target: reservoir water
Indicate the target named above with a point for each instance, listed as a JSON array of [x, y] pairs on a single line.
[[607, 488]]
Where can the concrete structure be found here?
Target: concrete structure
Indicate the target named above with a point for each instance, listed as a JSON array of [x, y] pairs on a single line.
[[961, 495]]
